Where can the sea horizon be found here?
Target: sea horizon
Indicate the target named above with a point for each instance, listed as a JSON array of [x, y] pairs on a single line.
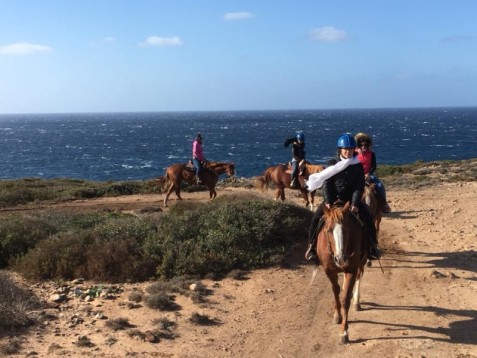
[[141, 145]]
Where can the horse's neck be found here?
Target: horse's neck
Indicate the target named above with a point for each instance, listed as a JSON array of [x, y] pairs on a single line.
[[219, 169]]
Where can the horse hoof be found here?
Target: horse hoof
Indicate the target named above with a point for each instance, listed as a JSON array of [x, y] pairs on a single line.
[[336, 319], [344, 339]]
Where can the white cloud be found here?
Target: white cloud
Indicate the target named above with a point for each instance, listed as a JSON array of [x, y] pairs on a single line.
[[24, 48], [328, 34], [232, 16], [162, 41]]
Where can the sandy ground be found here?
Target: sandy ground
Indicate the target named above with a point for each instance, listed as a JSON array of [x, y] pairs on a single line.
[[423, 305]]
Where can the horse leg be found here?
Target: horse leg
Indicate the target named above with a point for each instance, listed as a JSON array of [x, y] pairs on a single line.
[[212, 194], [169, 191], [280, 192], [348, 284], [304, 194], [357, 293], [333, 277]]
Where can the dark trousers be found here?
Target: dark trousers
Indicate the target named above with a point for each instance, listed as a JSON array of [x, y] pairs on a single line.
[[294, 173]]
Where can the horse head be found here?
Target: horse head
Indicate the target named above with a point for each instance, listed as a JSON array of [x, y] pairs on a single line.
[[230, 169], [338, 233]]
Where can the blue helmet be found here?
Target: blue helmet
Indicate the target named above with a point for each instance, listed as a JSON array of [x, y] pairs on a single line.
[[346, 141], [300, 137]]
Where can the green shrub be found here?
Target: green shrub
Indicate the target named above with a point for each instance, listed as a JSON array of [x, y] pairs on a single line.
[[18, 234], [221, 236], [111, 250], [59, 256]]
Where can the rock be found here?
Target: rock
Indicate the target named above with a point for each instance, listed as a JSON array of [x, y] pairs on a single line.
[[57, 297]]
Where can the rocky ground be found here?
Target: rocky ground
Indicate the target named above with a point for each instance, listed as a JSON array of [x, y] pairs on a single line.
[[421, 304]]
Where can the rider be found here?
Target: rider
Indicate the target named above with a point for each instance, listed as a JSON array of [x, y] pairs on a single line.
[[298, 154], [343, 181], [367, 157], [197, 156]]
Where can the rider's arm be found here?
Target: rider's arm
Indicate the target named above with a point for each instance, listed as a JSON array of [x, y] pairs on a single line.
[[373, 167], [358, 186]]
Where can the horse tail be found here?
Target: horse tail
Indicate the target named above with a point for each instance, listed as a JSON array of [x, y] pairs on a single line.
[[263, 180], [163, 181]]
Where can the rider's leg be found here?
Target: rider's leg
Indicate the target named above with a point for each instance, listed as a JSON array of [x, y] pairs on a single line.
[[382, 193], [374, 251], [313, 230], [197, 167], [293, 183]]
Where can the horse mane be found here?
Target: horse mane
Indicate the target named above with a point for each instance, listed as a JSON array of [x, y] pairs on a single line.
[[335, 214]]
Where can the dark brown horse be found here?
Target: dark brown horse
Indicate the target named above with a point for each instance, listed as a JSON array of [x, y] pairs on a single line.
[[375, 204], [177, 173], [342, 247], [280, 176]]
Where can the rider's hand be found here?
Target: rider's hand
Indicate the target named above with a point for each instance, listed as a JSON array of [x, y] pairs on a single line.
[[354, 209], [328, 206]]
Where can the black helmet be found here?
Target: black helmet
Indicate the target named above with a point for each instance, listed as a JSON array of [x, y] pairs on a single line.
[[198, 136]]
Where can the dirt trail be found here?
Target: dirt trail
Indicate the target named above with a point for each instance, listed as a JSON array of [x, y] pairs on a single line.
[[424, 305]]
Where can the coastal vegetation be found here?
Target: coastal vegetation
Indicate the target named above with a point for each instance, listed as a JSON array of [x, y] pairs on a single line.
[[228, 236]]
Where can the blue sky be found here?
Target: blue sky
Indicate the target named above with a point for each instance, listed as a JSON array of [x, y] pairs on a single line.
[[187, 55]]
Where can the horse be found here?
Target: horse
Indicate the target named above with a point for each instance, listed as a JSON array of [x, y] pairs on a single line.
[[280, 176], [375, 203], [210, 173], [342, 247]]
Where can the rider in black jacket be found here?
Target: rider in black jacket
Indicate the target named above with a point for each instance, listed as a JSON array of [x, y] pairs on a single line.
[[298, 155], [347, 185]]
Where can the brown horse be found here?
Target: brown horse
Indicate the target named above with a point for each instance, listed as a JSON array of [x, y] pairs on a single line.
[[375, 204], [342, 247], [177, 173], [280, 176]]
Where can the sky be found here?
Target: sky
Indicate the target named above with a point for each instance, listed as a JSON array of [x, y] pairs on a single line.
[[71, 56]]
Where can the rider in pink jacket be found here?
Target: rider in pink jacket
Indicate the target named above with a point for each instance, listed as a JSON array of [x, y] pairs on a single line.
[[197, 156]]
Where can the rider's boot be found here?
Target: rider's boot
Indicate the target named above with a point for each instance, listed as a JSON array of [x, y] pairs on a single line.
[[374, 250], [293, 184], [197, 180], [315, 227]]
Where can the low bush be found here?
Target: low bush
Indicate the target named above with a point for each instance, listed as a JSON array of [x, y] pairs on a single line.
[[15, 304], [223, 236]]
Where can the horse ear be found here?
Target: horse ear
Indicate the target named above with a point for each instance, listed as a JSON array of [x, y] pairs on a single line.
[[346, 207], [326, 210]]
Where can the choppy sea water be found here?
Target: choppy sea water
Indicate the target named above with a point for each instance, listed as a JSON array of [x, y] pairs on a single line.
[[127, 146]]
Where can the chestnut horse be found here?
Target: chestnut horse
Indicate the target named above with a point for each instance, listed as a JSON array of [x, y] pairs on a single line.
[[342, 247], [280, 176], [177, 173], [375, 204]]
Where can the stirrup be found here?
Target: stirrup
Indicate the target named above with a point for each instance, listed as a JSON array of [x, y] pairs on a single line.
[[310, 254], [375, 253]]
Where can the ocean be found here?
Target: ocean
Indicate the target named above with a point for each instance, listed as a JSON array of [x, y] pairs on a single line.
[[138, 146]]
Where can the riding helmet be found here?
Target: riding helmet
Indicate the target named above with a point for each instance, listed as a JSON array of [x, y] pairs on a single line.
[[346, 141], [300, 137]]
